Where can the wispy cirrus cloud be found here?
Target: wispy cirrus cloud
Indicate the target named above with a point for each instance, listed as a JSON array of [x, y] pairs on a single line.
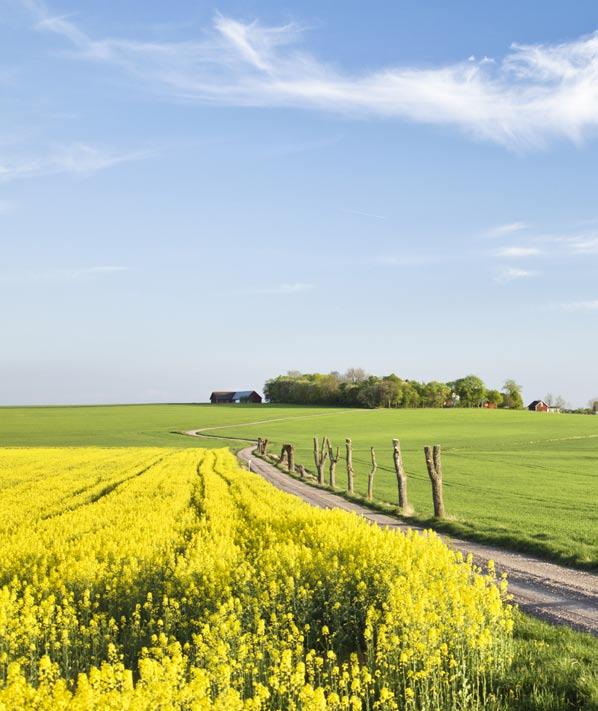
[[535, 93], [76, 158], [517, 252], [509, 274], [567, 242], [367, 214], [507, 229], [584, 244], [591, 305]]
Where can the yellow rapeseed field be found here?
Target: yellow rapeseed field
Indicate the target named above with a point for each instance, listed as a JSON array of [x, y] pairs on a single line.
[[142, 578]]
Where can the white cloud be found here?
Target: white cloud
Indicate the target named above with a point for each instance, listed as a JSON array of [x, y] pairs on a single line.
[[75, 158], [517, 252], [584, 245], [581, 305], [508, 229], [83, 158], [535, 93], [367, 214], [509, 274], [572, 243]]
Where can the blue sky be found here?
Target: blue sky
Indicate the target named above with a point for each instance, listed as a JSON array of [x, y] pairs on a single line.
[[198, 196]]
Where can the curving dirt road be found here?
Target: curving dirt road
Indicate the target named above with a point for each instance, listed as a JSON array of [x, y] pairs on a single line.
[[558, 594]]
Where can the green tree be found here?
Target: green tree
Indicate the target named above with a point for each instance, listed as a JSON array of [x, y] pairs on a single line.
[[435, 394], [410, 396], [470, 390], [512, 395], [393, 390], [376, 393], [495, 397]]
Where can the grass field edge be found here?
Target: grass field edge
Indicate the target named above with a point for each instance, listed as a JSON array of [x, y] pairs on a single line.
[[446, 526]]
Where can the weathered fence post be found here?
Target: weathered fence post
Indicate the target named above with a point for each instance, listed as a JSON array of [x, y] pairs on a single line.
[[371, 474], [301, 470], [333, 458], [262, 446], [434, 464], [291, 457], [283, 454], [320, 454], [349, 446], [401, 476], [287, 452]]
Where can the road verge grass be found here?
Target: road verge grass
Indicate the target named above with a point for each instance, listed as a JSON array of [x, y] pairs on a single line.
[[554, 668], [450, 525]]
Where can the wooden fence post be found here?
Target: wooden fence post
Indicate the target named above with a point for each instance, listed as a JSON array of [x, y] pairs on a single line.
[[262, 446], [349, 446], [434, 464], [401, 476], [291, 457], [283, 454], [320, 454], [333, 458], [371, 474]]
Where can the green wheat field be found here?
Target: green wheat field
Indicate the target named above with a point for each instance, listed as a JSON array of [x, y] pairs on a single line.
[[521, 479]]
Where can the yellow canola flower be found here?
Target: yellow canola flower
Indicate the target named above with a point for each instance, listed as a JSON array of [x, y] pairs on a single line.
[[146, 578]]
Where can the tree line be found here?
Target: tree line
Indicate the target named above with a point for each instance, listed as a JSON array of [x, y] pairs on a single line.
[[356, 388]]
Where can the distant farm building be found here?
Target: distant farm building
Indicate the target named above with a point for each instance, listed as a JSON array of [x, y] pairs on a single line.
[[219, 397], [541, 406]]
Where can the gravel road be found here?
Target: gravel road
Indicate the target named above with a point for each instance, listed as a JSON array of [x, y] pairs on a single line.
[[558, 594]]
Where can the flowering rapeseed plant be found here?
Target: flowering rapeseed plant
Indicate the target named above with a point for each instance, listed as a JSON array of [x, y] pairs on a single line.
[[160, 579]]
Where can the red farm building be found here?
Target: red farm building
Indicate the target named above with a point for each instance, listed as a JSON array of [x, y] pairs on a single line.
[[541, 406]]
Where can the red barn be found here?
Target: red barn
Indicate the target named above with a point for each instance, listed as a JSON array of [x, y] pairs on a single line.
[[538, 406]]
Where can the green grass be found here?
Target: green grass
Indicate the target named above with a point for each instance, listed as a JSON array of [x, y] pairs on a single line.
[[554, 669], [524, 480], [520, 478], [106, 426]]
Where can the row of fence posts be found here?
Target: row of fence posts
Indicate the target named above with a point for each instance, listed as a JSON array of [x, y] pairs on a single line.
[[325, 452]]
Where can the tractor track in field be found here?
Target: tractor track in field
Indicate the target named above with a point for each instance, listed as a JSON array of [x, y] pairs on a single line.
[[266, 422], [553, 592]]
